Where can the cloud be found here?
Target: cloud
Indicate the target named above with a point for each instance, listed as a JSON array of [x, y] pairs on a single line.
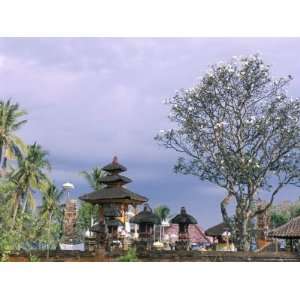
[[89, 99]]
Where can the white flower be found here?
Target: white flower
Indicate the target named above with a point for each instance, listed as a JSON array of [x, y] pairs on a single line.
[[251, 120], [263, 67], [190, 108]]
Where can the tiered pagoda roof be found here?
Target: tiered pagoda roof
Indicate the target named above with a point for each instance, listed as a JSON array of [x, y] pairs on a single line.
[[114, 192]]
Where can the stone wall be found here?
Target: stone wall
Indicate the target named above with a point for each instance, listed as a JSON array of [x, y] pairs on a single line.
[[217, 256], [161, 256]]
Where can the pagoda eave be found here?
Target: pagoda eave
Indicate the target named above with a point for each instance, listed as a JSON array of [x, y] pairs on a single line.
[[114, 201]]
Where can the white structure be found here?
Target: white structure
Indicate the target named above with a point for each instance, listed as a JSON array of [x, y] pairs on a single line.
[[67, 186], [78, 247]]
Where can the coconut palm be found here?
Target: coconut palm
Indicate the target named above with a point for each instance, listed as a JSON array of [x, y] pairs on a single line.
[[11, 145], [50, 209], [93, 178], [30, 176], [88, 212], [163, 212]]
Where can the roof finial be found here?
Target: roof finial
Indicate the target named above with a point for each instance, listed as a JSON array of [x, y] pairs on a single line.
[[115, 160]]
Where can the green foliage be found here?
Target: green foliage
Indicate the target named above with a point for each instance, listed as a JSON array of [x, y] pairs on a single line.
[[281, 213], [9, 239], [33, 258], [162, 211], [50, 217], [87, 215], [21, 227], [30, 175], [93, 178], [130, 256], [11, 145]]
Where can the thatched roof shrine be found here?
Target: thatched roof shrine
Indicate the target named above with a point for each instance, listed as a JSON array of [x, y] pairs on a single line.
[[290, 230], [183, 218], [217, 230], [145, 216]]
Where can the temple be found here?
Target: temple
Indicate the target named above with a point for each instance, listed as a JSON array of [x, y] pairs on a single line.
[[115, 202]]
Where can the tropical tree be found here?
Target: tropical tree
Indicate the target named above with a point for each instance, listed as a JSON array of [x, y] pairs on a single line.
[[9, 240], [11, 120], [238, 129], [94, 177], [283, 212], [163, 212], [29, 176], [88, 213], [51, 215]]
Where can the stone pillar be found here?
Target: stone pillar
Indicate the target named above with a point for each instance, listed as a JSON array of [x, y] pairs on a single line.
[[70, 216], [263, 221]]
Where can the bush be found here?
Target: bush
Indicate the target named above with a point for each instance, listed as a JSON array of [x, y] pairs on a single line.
[[130, 256]]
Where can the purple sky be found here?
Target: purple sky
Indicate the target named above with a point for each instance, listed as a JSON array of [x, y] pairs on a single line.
[[89, 99]]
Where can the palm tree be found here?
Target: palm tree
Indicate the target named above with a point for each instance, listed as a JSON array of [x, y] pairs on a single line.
[[30, 176], [163, 212], [11, 145], [93, 178], [50, 208], [87, 211]]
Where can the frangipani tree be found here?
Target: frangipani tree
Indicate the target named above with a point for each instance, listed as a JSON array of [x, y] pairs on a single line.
[[239, 129]]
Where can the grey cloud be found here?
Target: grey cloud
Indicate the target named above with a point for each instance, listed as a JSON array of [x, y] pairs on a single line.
[[91, 98]]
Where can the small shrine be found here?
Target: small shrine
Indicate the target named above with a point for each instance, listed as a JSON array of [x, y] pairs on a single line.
[[114, 201], [183, 220], [146, 220], [290, 232]]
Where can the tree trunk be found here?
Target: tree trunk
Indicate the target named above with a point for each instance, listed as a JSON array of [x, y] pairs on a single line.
[[239, 227], [48, 236], [1, 152], [25, 203], [242, 234], [15, 211], [3, 158]]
